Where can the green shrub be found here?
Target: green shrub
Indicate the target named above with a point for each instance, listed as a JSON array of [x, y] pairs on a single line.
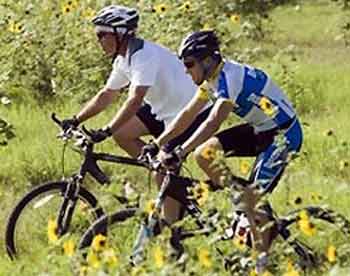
[[50, 50]]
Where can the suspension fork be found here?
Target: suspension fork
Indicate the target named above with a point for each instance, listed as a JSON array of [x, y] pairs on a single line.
[[146, 231], [67, 207]]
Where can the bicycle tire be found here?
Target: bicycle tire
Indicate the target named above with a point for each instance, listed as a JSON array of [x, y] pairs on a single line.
[[58, 187], [100, 226], [307, 255]]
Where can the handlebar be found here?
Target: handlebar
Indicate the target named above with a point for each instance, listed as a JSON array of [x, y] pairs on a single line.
[[83, 137]]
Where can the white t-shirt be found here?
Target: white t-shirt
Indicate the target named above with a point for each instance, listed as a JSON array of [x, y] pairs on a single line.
[[157, 67]]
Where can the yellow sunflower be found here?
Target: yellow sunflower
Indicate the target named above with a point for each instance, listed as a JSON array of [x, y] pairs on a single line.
[[158, 256], [160, 9], [52, 230], [307, 227], [331, 254], [186, 6], [110, 258], [201, 193], [239, 242], [93, 260], [88, 14], [235, 18], [68, 247], [204, 258], [150, 207], [208, 153], [15, 27], [244, 167], [99, 243]]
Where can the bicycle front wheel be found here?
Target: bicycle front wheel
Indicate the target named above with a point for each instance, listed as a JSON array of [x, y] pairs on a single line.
[[31, 218], [101, 225]]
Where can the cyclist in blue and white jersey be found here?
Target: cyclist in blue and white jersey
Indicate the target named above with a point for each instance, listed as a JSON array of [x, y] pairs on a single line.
[[271, 131]]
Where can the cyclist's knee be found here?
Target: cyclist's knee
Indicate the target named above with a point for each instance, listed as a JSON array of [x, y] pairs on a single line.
[[123, 136], [206, 152]]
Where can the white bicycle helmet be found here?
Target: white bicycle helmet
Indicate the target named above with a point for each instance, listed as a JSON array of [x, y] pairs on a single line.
[[119, 18]]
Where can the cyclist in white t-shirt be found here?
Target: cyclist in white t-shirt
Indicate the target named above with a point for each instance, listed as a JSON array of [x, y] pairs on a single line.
[[158, 84]]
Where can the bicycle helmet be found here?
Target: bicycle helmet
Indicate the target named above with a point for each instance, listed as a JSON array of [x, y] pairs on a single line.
[[200, 45], [119, 18]]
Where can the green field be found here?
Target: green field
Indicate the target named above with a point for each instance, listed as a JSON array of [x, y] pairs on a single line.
[[306, 36]]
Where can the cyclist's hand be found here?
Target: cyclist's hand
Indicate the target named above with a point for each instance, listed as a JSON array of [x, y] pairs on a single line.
[[151, 149], [69, 123], [101, 134]]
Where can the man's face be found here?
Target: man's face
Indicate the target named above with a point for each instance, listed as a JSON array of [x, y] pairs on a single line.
[[108, 42], [194, 69]]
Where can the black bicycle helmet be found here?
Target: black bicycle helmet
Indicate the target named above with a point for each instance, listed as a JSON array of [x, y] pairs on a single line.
[[200, 45]]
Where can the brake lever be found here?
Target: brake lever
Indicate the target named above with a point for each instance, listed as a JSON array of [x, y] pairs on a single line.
[[55, 119]]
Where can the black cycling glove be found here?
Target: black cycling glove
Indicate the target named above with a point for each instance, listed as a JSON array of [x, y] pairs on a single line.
[[70, 123], [152, 149], [101, 134]]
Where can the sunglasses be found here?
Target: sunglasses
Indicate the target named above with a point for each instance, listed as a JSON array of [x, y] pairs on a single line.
[[189, 63]]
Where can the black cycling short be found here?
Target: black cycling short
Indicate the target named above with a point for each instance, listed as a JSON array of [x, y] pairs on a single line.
[[154, 126], [242, 141]]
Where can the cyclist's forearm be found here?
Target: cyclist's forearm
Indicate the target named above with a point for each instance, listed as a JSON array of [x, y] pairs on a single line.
[[97, 104], [202, 134], [176, 127], [126, 112], [218, 114], [182, 121]]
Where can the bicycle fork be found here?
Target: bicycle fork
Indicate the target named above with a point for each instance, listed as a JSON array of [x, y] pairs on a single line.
[[147, 229], [67, 207]]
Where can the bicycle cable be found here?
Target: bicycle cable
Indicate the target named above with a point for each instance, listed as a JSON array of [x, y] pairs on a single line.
[[63, 156]]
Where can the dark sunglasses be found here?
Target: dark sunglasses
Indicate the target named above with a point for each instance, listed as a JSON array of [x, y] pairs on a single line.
[[189, 63]]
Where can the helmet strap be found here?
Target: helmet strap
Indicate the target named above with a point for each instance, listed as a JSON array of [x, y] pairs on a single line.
[[119, 42]]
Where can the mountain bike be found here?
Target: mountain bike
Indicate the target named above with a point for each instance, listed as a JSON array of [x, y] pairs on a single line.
[[60, 206], [121, 222]]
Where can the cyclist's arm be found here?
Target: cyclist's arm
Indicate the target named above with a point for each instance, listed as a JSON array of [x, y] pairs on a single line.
[[129, 107], [218, 114], [183, 120], [97, 104]]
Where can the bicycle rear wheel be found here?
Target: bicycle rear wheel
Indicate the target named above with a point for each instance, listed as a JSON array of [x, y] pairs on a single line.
[[29, 219], [322, 218]]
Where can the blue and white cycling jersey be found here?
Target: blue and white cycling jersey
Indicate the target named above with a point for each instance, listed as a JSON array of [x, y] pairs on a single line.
[[257, 99], [264, 106]]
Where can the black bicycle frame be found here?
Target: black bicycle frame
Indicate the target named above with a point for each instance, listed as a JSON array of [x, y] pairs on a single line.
[[90, 166]]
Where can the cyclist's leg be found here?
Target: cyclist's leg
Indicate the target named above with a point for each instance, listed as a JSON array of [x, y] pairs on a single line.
[[270, 166], [143, 123], [272, 161], [235, 141]]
